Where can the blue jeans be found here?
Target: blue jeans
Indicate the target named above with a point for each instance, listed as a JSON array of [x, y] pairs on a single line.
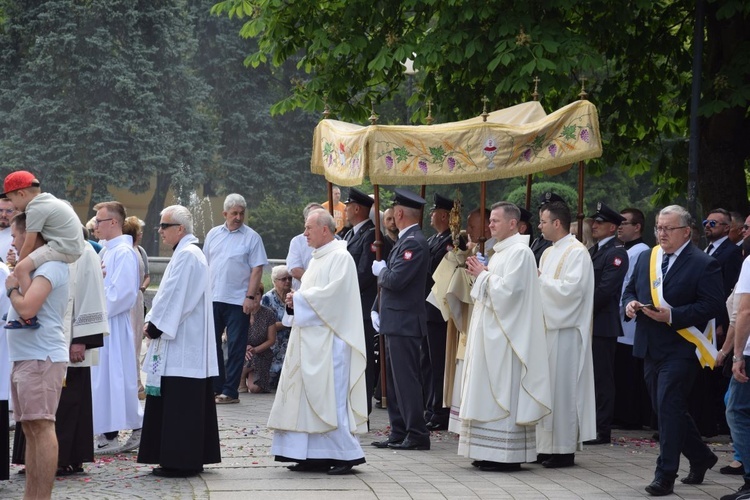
[[736, 455], [738, 418], [236, 322]]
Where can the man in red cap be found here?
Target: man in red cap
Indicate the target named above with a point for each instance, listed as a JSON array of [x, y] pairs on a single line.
[[53, 219]]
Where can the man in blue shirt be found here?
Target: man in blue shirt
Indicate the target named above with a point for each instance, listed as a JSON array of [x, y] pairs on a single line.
[[39, 358], [236, 257]]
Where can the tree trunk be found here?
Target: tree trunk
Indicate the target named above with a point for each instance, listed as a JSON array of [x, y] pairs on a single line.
[[721, 169], [156, 205], [724, 144]]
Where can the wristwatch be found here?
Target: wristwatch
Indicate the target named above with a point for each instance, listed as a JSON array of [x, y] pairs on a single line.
[[251, 297], [10, 290], [735, 359]]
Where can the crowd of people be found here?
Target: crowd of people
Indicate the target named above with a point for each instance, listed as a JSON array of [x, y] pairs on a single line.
[[527, 348], [634, 335]]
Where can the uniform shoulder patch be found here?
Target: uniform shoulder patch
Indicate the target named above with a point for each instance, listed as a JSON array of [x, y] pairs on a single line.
[[408, 255], [617, 262]]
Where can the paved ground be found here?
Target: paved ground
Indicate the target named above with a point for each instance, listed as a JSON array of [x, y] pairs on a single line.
[[619, 471]]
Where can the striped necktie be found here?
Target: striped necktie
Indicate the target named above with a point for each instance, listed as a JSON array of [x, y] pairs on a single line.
[[665, 264]]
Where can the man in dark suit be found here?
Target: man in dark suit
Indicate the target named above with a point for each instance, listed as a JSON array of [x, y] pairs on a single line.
[[610, 260], [720, 247], [539, 245], [401, 318], [360, 242], [686, 295], [707, 401], [433, 357]]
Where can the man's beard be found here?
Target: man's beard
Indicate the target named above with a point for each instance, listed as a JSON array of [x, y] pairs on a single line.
[[4, 225]]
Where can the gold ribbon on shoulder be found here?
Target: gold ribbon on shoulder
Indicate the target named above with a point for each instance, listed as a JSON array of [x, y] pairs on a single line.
[[705, 342]]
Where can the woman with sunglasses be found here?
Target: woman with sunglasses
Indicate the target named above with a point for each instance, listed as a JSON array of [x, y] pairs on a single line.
[[274, 300]]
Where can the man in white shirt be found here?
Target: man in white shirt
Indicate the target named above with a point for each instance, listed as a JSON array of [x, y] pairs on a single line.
[[300, 253], [7, 210], [236, 257], [738, 406]]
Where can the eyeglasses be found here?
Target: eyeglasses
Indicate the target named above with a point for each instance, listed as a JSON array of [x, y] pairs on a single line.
[[166, 225], [667, 230], [713, 223], [288, 278], [6, 210], [99, 221], [626, 223]]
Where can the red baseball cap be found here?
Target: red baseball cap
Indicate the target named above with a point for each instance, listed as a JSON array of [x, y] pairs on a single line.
[[20, 179]]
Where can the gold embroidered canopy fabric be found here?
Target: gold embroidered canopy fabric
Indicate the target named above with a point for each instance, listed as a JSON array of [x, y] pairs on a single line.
[[516, 141]]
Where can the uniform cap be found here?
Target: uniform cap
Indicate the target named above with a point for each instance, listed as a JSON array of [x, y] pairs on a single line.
[[606, 214], [441, 202], [407, 198], [360, 198], [549, 197]]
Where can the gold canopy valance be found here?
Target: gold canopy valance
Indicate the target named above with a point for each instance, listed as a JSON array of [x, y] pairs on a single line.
[[516, 141]]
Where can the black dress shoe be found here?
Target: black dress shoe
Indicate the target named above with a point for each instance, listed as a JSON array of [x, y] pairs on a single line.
[[311, 466], [559, 460], [340, 470], [600, 439], [480, 463], [408, 444], [490, 466], [541, 457], [167, 472], [436, 426], [661, 487], [384, 443], [698, 472]]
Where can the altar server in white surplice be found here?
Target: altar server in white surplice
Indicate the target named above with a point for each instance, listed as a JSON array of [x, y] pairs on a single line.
[[320, 402], [180, 430], [567, 284], [114, 383], [506, 382]]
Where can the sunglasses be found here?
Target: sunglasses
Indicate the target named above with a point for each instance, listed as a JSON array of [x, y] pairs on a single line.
[[713, 223], [167, 225]]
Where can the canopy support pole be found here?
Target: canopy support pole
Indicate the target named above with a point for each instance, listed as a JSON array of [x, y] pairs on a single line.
[[378, 256]]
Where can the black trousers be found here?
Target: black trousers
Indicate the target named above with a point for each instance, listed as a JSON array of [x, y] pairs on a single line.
[[404, 389], [603, 349]]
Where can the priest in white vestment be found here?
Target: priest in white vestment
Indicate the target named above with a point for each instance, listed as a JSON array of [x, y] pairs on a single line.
[[114, 382], [451, 294], [506, 386], [320, 402], [567, 284], [180, 429]]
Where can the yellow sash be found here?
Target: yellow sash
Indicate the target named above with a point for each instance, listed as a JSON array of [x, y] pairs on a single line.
[[705, 342]]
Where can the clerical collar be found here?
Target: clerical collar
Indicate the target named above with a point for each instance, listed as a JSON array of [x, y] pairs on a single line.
[[631, 244]]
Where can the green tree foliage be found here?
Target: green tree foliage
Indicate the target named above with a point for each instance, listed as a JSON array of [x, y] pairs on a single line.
[[636, 55], [258, 154], [101, 93]]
